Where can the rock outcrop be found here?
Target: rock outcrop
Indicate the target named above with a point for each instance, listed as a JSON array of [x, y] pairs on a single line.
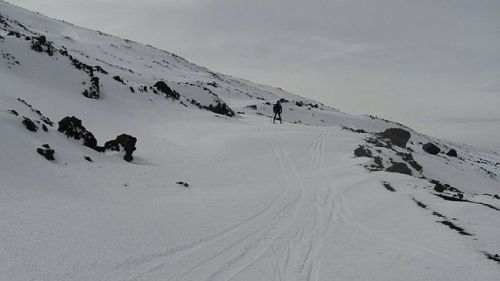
[[397, 136], [431, 148]]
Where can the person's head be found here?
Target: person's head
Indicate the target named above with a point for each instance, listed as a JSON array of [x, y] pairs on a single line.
[[278, 102]]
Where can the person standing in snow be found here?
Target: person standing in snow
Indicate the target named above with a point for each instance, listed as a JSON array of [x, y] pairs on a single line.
[[277, 109]]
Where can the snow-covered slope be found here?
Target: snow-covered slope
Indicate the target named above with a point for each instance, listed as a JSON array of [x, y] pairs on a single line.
[[264, 201]]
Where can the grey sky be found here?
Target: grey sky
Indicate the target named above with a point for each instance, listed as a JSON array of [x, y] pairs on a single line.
[[420, 62]]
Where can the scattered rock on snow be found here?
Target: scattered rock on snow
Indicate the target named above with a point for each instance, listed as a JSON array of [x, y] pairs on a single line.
[[408, 158], [164, 88], [185, 184], [358, 131], [378, 163], [94, 91], [30, 125], [362, 152], [388, 186], [41, 45], [399, 167], [495, 257], [47, 152], [118, 78], [455, 227]]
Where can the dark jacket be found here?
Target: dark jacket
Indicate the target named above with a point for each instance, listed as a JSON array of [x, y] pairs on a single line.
[[277, 108]]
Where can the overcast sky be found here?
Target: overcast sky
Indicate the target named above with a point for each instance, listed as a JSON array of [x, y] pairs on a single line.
[[431, 64]]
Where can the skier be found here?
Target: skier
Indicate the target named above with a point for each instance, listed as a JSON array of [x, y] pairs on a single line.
[[277, 109]]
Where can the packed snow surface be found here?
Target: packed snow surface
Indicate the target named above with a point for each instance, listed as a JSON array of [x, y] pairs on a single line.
[[262, 201]]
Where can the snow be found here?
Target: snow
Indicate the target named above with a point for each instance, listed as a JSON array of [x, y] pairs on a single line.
[[264, 202]]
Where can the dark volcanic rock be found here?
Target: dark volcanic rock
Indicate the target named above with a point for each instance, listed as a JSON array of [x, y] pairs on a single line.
[[118, 78], [221, 108], [127, 142], [30, 125], [14, 112], [94, 91], [362, 152], [408, 158], [164, 88], [358, 131], [40, 44], [452, 153], [378, 163], [388, 186], [185, 184], [47, 152], [431, 148], [399, 167], [398, 136], [72, 127], [439, 187]]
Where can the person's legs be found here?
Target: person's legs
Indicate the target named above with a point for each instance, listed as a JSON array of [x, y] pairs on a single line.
[[279, 115], [274, 119]]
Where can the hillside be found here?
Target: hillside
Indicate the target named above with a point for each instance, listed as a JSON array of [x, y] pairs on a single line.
[[171, 171]]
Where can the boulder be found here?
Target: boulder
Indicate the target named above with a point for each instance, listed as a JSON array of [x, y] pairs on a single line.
[[221, 108], [431, 148], [127, 142], [362, 152], [452, 153], [439, 187], [398, 136], [399, 167]]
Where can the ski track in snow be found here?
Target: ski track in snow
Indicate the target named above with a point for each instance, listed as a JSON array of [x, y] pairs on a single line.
[[291, 228]]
